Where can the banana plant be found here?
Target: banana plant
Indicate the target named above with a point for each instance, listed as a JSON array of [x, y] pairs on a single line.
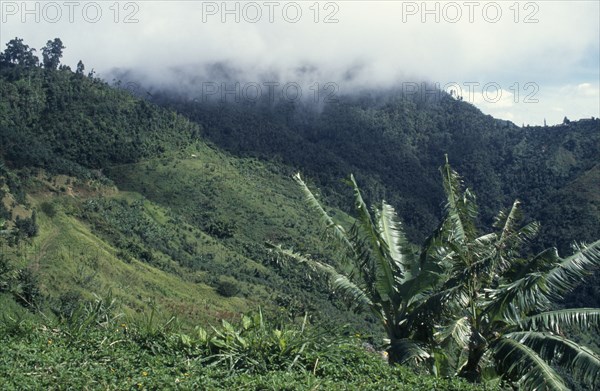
[[378, 271], [500, 311], [466, 303]]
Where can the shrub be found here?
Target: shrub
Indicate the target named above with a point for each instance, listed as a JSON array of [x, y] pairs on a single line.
[[26, 227], [27, 293], [227, 288], [255, 345], [48, 209], [6, 273]]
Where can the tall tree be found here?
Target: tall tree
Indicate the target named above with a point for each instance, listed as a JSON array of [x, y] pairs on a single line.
[[18, 53], [80, 68], [52, 53]]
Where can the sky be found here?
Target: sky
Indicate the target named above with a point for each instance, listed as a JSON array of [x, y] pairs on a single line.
[[523, 61]]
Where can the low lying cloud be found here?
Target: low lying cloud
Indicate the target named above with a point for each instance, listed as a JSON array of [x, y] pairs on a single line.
[[354, 44]]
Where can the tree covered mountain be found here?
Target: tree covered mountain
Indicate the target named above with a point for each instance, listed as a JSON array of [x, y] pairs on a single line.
[[166, 204], [102, 191], [186, 186], [394, 143]]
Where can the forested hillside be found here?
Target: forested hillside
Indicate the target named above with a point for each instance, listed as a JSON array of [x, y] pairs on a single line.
[[76, 125], [104, 191], [173, 207], [395, 144]]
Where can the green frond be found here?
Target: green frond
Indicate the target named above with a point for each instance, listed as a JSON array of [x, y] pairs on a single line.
[[330, 226], [509, 302], [405, 350], [522, 364], [434, 254], [537, 289], [511, 237], [290, 254], [558, 320], [540, 263], [399, 249], [580, 361], [567, 275], [417, 289], [503, 220], [436, 304], [487, 239], [391, 233], [430, 250], [513, 240], [458, 329], [385, 279], [493, 254], [452, 189], [508, 223], [356, 297], [461, 209], [363, 267], [351, 293]]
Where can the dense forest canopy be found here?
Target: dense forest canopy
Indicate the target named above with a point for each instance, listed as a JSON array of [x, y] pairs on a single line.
[[395, 143]]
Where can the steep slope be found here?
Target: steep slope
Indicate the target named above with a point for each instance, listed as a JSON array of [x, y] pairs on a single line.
[[141, 186], [395, 143], [104, 192]]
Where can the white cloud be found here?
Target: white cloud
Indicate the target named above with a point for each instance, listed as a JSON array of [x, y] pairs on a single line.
[[586, 89], [380, 40]]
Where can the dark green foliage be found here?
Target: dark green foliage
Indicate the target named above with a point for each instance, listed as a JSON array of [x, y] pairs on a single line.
[[227, 288], [15, 187], [51, 119], [67, 304], [26, 227], [80, 68], [27, 291], [135, 233], [52, 53], [17, 53], [21, 284], [394, 143], [4, 211], [219, 228], [48, 209], [7, 275]]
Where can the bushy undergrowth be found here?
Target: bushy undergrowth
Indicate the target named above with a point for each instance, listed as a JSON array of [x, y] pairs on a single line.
[[97, 349]]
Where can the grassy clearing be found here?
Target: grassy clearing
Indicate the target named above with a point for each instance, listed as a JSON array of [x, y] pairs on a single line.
[[70, 259]]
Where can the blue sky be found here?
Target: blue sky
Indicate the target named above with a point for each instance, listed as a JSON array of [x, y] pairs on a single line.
[[544, 56]]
